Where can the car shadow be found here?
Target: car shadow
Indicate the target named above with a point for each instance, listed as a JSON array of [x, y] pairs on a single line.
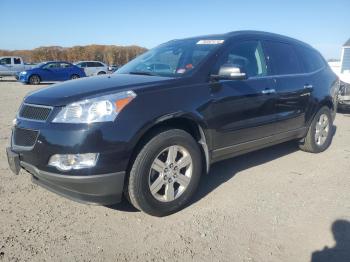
[[341, 250], [225, 170], [124, 206]]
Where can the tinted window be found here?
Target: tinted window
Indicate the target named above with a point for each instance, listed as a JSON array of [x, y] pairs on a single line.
[[93, 64], [97, 64], [5, 61], [65, 65], [282, 58], [246, 55], [51, 66], [17, 61], [312, 61]]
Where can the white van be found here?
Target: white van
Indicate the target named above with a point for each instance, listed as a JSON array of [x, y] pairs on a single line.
[[93, 67]]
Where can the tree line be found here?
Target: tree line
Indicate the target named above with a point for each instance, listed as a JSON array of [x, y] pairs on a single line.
[[110, 54]]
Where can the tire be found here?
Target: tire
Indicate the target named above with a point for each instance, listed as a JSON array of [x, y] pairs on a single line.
[[139, 184], [34, 80], [312, 142], [74, 77], [101, 73]]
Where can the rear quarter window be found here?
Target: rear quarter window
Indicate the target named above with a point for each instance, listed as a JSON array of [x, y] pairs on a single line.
[[282, 58], [312, 60]]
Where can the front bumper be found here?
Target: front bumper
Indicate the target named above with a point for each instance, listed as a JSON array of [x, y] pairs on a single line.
[[103, 189], [102, 184], [22, 78]]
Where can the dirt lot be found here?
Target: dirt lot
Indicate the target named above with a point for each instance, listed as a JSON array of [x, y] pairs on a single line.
[[277, 204]]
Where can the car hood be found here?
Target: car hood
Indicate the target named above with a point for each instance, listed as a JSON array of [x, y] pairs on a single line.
[[30, 70], [80, 89]]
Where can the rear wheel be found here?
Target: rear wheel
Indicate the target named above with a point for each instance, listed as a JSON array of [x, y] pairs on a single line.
[[101, 73], [319, 135], [74, 77], [34, 80], [165, 173]]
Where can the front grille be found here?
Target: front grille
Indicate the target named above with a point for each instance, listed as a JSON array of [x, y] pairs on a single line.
[[24, 137], [35, 112]]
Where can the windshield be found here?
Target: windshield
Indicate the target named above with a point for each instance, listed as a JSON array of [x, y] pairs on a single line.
[[175, 58], [40, 64]]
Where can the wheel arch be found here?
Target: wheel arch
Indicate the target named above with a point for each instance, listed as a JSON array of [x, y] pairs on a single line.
[[317, 106], [184, 122], [328, 102]]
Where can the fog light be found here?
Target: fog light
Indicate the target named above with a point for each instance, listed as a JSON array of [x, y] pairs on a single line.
[[73, 161]]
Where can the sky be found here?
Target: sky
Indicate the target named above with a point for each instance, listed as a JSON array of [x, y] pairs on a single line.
[[25, 24]]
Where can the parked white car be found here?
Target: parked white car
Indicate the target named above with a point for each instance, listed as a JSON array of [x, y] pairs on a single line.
[[13, 65], [93, 67]]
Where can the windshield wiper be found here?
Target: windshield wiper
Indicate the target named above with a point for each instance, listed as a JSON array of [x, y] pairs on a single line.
[[144, 73]]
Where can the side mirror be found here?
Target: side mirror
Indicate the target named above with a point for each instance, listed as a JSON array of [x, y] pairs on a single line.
[[230, 72]]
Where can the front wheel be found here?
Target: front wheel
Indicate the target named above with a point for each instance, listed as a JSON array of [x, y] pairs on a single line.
[[74, 77], [319, 135], [101, 73], [165, 173], [34, 80]]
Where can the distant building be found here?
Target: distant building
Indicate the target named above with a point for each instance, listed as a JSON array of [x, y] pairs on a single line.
[[345, 58], [342, 67]]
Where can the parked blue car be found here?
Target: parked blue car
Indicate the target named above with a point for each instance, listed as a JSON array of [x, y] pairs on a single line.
[[51, 71]]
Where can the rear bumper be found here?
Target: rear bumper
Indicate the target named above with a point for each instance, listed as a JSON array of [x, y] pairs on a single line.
[[102, 189]]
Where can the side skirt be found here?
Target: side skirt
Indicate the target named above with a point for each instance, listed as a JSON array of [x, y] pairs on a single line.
[[246, 147]]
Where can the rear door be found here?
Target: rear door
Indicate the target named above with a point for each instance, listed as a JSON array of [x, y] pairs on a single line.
[[65, 71], [292, 87], [90, 68], [242, 110]]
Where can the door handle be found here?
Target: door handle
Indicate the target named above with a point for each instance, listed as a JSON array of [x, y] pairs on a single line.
[[308, 86], [268, 91]]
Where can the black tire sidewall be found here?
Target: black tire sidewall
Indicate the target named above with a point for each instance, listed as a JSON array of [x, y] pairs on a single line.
[[145, 200]]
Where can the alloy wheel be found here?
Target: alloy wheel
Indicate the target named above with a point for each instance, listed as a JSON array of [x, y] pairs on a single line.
[[322, 129], [170, 173]]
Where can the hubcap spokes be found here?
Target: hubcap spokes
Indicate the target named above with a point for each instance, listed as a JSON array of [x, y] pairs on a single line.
[[322, 130], [170, 173]]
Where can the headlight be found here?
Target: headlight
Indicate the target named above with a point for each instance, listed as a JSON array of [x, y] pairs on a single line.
[[99, 109], [23, 73]]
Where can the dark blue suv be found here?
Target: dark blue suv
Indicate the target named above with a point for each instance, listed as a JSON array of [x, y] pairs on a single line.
[[152, 128]]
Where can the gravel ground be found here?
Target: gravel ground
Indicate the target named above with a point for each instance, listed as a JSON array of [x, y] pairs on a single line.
[[276, 204]]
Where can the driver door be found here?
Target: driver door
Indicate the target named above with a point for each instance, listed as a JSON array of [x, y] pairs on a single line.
[[242, 112]]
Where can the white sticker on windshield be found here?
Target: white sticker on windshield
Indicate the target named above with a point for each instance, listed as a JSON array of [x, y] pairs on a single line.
[[210, 42]]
